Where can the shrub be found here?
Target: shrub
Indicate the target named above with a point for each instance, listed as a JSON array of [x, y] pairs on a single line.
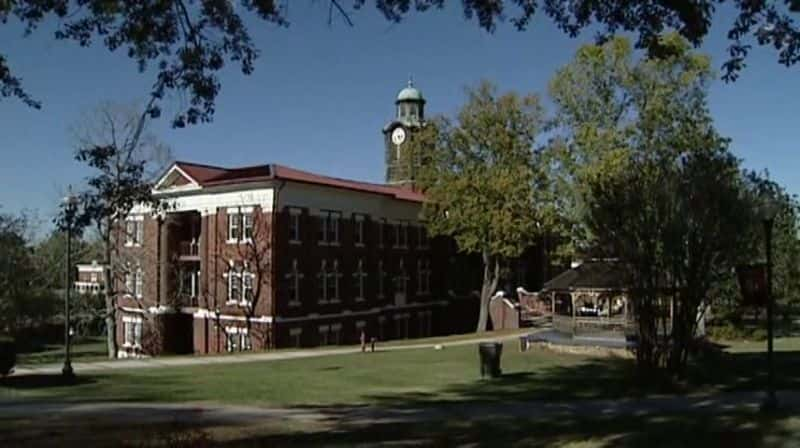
[[8, 356]]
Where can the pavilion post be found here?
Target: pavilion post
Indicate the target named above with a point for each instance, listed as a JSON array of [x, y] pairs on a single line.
[[572, 300]]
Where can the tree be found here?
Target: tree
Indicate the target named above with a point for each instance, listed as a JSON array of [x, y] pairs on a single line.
[[481, 179], [16, 272], [658, 184], [191, 41], [50, 257], [114, 142]]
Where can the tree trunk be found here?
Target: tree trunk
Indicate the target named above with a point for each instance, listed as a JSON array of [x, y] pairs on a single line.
[[491, 274], [109, 291]]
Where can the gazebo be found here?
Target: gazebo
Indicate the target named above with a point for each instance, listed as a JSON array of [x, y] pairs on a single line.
[[591, 299]]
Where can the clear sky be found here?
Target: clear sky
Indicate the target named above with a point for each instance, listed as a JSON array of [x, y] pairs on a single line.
[[320, 95]]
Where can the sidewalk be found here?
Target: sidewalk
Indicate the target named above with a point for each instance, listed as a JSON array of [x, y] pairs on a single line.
[[190, 360]]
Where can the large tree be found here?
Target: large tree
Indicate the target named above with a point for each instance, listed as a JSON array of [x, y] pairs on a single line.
[[190, 41], [124, 157], [482, 181], [656, 182]]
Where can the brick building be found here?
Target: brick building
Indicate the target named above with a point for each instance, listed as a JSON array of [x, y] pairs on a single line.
[[89, 278], [269, 256]]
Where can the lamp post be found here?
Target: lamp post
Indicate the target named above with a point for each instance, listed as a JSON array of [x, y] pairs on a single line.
[[769, 210], [70, 205]]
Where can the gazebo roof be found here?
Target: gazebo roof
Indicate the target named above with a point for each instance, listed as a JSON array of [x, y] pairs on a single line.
[[605, 274]]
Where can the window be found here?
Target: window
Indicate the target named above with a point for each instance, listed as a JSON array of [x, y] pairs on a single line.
[[247, 226], [401, 281], [132, 330], [329, 282], [425, 323], [294, 225], [401, 326], [358, 281], [358, 230], [234, 286], [189, 283], [134, 230], [329, 227], [323, 334], [333, 283], [336, 334], [134, 282], [294, 336], [381, 280], [240, 224], [381, 232], [237, 339], [240, 286], [234, 226], [248, 279], [381, 328], [293, 284], [423, 276], [401, 235]]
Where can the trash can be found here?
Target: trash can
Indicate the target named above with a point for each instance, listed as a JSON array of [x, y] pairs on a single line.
[[490, 358]]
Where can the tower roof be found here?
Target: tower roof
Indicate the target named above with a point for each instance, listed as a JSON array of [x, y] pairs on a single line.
[[410, 93]]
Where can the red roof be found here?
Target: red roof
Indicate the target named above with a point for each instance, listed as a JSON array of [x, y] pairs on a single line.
[[206, 175]]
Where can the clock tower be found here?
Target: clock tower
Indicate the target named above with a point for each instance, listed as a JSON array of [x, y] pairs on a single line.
[[410, 116]]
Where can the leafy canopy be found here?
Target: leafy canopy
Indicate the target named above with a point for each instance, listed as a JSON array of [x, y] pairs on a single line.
[[480, 173], [190, 41]]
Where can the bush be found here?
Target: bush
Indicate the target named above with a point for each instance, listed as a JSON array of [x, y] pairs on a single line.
[[731, 332], [8, 356]]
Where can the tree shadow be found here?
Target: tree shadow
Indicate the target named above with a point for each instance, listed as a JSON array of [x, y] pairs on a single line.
[[43, 381]]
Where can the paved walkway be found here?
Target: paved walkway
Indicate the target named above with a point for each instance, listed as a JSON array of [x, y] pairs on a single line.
[[100, 366]]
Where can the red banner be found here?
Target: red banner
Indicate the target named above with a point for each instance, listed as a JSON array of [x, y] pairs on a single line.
[[753, 284]]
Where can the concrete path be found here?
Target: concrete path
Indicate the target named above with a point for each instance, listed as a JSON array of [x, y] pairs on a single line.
[[101, 366], [212, 414]]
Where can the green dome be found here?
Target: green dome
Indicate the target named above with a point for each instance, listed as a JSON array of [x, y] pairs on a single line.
[[410, 93]]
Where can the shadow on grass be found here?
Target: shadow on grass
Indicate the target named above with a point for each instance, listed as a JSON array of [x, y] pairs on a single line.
[[43, 381], [735, 430]]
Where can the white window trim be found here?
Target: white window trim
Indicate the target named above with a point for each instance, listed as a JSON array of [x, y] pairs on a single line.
[[295, 276], [360, 275], [136, 321], [133, 240], [295, 214], [295, 331], [230, 276], [231, 212], [358, 222], [360, 324]]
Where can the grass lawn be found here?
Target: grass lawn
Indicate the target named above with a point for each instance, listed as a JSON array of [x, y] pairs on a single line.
[[408, 377], [418, 379], [89, 349]]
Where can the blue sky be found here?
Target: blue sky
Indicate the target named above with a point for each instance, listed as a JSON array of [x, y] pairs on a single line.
[[320, 95]]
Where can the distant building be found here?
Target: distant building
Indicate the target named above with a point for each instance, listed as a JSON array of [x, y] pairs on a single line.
[[90, 278]]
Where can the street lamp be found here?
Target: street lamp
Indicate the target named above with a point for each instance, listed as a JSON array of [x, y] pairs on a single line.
[[768, 211], [70, 204]]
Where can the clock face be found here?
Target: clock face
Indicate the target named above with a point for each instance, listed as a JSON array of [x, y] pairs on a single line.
[[398, 136]]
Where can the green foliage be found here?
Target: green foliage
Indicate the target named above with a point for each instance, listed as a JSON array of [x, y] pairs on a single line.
[[8, 355], [480, 175], [652, 180], [483, 180], [190, 42]]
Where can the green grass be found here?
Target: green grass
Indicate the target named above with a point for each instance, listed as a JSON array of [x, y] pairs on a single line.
[[410, 377], [89, 349]]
